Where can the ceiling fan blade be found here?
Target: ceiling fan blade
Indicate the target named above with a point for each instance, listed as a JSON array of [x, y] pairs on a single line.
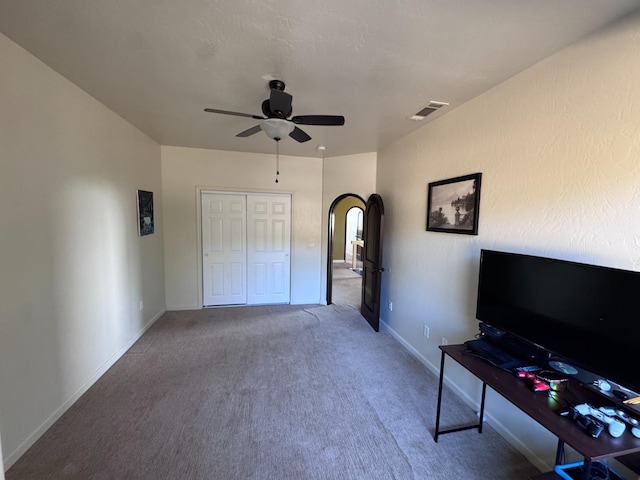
[[280, 101], [318, 119], [299, 135], [249, 131], [237, 114]]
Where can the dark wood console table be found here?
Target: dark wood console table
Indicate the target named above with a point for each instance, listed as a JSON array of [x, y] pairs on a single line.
[[541, 407]]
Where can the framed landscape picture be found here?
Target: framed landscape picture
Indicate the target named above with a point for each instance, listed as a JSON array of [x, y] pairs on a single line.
[[453, 205], [145, 213]]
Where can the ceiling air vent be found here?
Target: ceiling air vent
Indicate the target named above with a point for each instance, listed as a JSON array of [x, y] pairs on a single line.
[[428, 110]]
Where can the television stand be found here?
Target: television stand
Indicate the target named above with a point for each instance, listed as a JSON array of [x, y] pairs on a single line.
[[540, 408]]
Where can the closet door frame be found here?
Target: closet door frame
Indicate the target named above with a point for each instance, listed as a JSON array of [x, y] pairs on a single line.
[[199, 248]]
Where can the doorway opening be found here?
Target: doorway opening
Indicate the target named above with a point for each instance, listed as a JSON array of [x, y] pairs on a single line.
[[345, 245]]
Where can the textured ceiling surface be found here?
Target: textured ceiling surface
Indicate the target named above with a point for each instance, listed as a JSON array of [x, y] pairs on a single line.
[[159, 63]]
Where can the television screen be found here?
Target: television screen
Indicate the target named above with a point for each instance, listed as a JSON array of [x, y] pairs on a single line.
[[587, 314]]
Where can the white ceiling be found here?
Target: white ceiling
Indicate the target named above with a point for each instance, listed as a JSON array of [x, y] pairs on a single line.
[[159, 63]]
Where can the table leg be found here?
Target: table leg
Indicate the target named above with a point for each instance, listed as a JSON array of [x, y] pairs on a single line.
[[560, 452], [586, 470], [435, 436], [484, 394]]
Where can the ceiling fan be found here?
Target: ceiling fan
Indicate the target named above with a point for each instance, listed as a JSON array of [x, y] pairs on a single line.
[[276, 122]]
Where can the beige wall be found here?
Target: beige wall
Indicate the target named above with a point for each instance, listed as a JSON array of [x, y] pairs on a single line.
[[73, 267], [186, 170], [313, 182], [559, 147], [1, 461]]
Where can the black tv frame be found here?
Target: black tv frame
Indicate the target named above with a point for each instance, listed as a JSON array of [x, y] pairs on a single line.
[[587, 315]]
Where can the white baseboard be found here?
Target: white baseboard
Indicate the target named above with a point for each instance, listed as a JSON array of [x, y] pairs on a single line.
[[474, 404], [178, 308], [13, 457]]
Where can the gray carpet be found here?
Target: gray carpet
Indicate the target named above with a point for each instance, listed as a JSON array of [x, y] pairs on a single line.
[[282, 392]]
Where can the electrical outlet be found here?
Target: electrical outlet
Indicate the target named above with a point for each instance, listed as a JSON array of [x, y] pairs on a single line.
[[425, 331], [390, 305], [141, 305], [444, 341]]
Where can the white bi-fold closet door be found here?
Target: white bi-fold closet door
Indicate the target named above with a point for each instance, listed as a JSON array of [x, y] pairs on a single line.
[[246, 246]]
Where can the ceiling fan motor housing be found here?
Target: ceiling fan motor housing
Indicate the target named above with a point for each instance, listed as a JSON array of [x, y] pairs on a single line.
[[276, 85]]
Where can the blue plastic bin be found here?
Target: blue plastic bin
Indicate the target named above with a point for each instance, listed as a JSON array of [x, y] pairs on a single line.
[[599, 471]]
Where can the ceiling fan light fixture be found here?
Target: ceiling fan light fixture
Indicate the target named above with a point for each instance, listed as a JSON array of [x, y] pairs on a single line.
[[276, 128]]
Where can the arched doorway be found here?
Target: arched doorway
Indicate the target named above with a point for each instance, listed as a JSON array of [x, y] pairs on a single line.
[[344, 262]]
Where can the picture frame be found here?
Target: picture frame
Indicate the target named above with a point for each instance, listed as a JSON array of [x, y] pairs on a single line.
[[453, 205], [145, 213]]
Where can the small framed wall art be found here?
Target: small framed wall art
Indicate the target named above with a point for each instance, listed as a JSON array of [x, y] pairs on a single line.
[[453, 205], [145, 213]]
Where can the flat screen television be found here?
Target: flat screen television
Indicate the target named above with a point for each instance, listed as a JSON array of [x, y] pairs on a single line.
[[586, 314]]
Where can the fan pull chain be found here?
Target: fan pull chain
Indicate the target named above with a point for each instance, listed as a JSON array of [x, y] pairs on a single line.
[[277, 160]]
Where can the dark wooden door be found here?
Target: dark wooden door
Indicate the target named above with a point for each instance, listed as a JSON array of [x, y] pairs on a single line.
[[372, 259]]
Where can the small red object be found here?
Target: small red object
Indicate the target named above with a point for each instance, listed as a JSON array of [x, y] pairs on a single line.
[[535, 383]]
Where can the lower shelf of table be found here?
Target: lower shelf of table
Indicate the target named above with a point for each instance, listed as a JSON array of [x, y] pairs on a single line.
[[546, 476], [632, 462]]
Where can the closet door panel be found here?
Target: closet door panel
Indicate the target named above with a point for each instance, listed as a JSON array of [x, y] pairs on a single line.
[[224, 249], [269, 248]]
